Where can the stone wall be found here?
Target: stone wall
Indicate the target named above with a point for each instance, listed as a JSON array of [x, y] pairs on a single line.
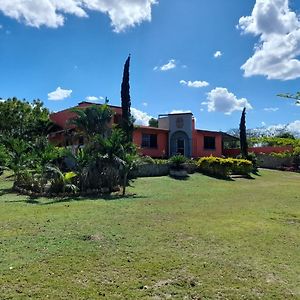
[[274, 162], [156, 170]]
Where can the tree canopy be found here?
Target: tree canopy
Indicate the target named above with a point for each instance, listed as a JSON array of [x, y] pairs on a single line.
[[24, 120]]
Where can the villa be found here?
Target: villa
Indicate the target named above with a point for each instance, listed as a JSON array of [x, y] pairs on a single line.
[[176, 134]]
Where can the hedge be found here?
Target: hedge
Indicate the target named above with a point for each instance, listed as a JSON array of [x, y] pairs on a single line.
[[223, 167]]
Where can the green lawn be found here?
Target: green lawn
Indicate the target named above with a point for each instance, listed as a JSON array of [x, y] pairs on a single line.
[[197, 239]]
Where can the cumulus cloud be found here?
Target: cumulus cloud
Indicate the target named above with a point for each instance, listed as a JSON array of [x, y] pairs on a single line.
[[218, 54], [194, 84], [271, 109], [278, 28], [51, 13], [293, 127], [59, 94], [221, 100], [141, 118], [168, 66], [94, 98], [180, 111]]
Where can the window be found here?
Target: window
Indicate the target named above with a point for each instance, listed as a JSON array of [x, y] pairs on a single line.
[[209, 142], [149, 141]]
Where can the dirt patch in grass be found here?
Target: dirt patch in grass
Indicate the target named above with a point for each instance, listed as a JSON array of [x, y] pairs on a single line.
[[94, 237]]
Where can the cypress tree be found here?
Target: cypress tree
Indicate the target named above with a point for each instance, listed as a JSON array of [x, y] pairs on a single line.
[[243, 135], [127, 120]]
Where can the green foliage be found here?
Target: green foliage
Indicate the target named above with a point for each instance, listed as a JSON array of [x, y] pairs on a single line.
[[177, 161], [60, 182], [221, 167], [93, 120], [153, 123], [275, 141], [4, 156], [23, 120], [243, 135], [291, 96], [127, 119]]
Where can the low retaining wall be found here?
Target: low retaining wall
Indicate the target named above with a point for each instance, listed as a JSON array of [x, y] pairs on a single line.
[[151, 170], [156, 170], [274, 162]]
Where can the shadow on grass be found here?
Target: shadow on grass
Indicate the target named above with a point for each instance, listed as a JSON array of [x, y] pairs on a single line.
[[35, 200], [185, 178], [6, 191]]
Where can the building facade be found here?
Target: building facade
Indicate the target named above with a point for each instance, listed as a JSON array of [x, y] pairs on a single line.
[[176, 134]]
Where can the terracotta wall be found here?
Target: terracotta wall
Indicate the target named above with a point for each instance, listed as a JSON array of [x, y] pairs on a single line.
[[61, 118], [258, 150], [198, 144], [162, 142]]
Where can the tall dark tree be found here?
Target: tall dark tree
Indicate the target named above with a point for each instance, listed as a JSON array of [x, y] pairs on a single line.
[[127, 120], [243, 135]]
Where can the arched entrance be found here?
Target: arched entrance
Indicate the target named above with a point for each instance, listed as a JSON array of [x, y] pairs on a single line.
[[179, 144]]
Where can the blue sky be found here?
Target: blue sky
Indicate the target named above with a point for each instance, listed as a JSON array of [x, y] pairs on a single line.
[[80, 47]]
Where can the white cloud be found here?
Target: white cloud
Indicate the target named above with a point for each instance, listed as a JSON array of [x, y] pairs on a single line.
[[194, 84], [221, 100], [169, 66], [141, 118], [91, 98], [51, 13], [263, 124], [278, 28], [218, 54], [59, 94], [271, 109], [94, 98], [145, 104], [1, 26], [293, 127], [180, 111]]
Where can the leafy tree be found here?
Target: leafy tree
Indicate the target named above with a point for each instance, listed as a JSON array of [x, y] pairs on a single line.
[[286, 135], [93, 120], [243, 135], [291, 96], [127, 119], [153, 122], [24, 120]]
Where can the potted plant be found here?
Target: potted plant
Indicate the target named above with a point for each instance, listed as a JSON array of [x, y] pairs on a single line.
[[177, 166]]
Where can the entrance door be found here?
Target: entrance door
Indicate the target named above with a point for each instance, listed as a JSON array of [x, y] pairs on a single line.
[[180, 146]]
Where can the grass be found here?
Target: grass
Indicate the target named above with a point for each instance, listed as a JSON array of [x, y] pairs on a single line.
[[201, 238]]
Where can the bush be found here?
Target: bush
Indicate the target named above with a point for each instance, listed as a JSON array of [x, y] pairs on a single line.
[[177, 162], [221, 167], [251, 157]]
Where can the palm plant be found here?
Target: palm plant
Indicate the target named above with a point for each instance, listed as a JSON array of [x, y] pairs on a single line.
[[93, 120], [60, 182]]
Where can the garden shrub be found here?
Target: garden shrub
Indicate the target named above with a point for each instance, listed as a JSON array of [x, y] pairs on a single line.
[[177, 162], [223, 167]]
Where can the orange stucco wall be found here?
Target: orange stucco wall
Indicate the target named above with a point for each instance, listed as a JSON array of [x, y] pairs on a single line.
[[198, 144], [162, 141], [61, 118]]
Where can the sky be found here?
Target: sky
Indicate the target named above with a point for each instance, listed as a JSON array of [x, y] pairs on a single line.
[[210, 57]]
